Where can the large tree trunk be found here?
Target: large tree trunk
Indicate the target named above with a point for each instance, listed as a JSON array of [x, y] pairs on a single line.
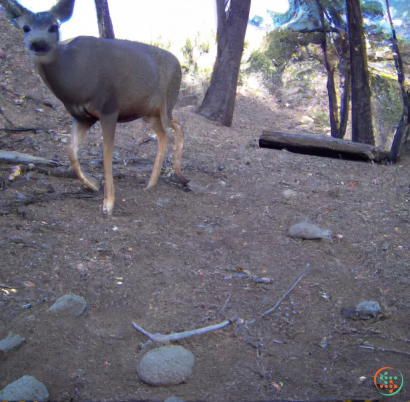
[[105, 27], [362, 126], [219, 101], [403, 128]]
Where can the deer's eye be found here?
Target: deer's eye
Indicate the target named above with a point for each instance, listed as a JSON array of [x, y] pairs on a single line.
[[53, 28], [26, 28]]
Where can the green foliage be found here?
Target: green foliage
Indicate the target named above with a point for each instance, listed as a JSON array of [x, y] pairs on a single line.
[[259, 61], [188, 53], [279, 19], [372, 9], [256, 20], [161, 43], [387, 104], [280, 45]]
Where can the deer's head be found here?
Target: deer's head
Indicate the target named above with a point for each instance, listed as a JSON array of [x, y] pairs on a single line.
[[41, 30]]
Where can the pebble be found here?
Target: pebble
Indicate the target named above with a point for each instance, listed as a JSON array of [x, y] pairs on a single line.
[[26, 388], [309, 231], [70, 304], [167, 365], [174, 399], [10, 343]]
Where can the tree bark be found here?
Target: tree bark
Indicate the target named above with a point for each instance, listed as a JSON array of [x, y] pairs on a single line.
[[403, 128], [345, 85], [219, 101], [331, 88], [362, 126], [105, 27]]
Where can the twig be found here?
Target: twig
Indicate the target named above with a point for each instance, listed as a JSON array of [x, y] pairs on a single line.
[[24, 129], [251, 277], [385, 350], [225, 305], [280, 301], [180, 335]]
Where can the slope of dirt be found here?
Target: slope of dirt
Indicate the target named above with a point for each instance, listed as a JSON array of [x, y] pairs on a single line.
[[165, 259]]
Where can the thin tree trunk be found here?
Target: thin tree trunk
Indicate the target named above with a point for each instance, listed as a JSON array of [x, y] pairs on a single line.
[[362, 126], [219, 101], [403, 129], [105, 27], [331, 88], [345, 84]]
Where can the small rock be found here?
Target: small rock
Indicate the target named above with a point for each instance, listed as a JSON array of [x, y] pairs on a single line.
[[196, 188], [167, 365], [369, 306], [26, 388], [10, 343], [174, 399], [288, 194], [309, 231], [306, 120], [18, 102], [368, 309], [70, 304]]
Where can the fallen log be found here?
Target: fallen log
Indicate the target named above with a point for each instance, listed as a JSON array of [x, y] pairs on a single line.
[[315, 144]]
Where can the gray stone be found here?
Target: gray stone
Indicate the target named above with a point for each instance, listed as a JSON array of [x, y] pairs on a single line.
[[369, 307], [10, 343], [167, 365], [70, 304], [309, 231], [174, 399], [24, 389]]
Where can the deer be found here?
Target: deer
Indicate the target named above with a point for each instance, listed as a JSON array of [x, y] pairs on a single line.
[[107, 80]]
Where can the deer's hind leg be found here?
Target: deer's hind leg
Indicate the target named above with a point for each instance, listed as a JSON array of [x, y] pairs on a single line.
[[178, 147], [161, 133], [78, 132]]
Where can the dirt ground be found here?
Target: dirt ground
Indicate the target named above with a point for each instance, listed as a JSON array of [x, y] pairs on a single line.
[[165, 259]]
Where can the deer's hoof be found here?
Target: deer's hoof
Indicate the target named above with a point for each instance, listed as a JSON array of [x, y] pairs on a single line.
[[92, 183], [108, 208]]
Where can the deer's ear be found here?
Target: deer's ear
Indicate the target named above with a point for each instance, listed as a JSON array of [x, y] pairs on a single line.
[[14, 10], [20, 22], [63, 10]]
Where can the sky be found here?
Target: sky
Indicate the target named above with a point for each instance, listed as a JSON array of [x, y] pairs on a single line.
[[148, 20]]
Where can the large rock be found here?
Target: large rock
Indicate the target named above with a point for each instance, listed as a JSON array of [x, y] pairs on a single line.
[[24, 389], [168, 365]]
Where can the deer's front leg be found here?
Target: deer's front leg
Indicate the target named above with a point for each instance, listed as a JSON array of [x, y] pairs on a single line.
[[108, 124], [78, 132]]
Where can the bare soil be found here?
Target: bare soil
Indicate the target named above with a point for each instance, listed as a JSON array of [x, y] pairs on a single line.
[[165, 259]]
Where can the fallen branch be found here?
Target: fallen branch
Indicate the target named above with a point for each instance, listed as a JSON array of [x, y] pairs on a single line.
[[179, 335], [186, 334], [18, 157], [385, 350], [280, 301], [249, 276], [24, 129]]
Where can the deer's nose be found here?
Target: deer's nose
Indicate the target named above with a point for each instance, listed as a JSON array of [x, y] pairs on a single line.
[[39, 46]]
